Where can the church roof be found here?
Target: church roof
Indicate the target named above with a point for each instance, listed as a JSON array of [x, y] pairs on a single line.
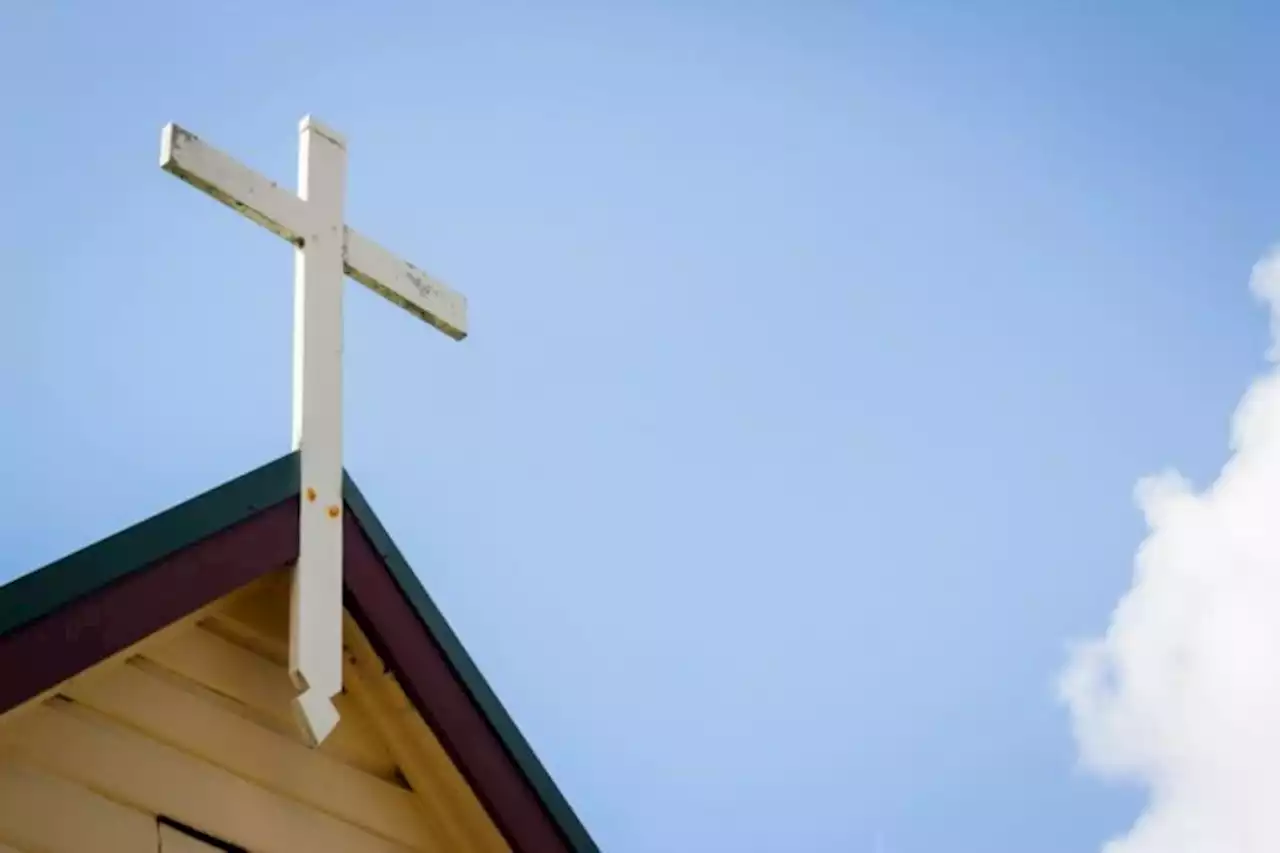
[[96, 603]]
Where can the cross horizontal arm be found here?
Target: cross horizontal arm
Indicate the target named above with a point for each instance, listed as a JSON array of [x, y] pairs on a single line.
[[185, 155], [204, 167], [404, 284]]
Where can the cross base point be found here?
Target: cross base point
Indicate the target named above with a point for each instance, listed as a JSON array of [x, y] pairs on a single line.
[[315, 715]]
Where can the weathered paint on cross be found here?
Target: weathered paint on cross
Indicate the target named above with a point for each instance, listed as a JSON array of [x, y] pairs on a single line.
[[315, 647], [325, 250]]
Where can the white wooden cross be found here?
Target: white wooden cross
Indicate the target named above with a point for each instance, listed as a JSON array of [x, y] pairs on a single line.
[[326, 249]]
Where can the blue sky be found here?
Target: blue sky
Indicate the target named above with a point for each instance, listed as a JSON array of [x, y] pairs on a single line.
[[816, 350]]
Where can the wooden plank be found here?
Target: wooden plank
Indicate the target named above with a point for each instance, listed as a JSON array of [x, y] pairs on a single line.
[[402, 283], [260, 622], [229, 629], [188, 722], [315, 632], [425, 763], [228, 669], [190, 158], [264, 690], [40, 812], [77, 743]]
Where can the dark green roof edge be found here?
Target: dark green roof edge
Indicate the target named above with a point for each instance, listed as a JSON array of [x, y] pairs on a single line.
[[505, 727], [45, 590]]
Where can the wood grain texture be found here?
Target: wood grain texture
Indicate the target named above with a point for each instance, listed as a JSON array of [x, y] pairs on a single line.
[[259, 624], [91, 750], [259, 621], [170, 715], [41, 812]]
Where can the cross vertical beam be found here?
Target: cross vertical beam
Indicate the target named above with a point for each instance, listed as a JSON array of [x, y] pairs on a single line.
[[315, 620]]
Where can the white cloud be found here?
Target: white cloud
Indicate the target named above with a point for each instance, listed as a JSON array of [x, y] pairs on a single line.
[[1182, 694]]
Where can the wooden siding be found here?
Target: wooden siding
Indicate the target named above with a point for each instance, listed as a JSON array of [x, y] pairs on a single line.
[[196, 725]]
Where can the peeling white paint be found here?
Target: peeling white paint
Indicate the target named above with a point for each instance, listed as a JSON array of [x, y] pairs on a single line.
[[326, 250]]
